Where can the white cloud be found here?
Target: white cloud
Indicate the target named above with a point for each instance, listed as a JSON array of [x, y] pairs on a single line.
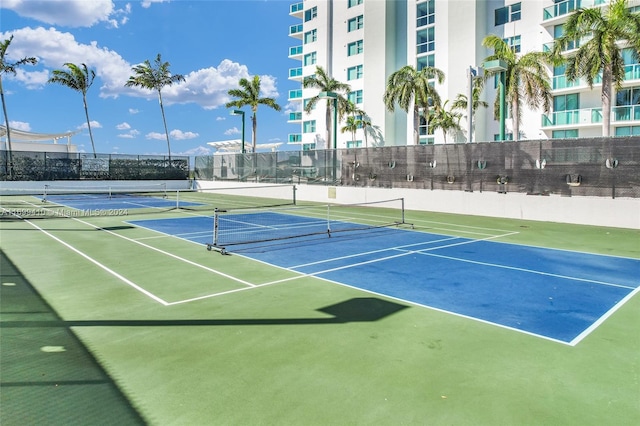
[[147, 3], [131, 134], [70, 13], [180, 135], [94, 125], [123, 126], [205, 87], [199, 150], [232, 131], [20, 125], [221, 118], [133, 111], [155, 135]]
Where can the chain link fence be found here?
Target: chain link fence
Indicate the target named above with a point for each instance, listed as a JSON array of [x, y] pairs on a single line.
[[603, 167]]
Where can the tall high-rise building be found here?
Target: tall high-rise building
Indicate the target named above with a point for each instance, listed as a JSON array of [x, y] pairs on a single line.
[[362, 42]]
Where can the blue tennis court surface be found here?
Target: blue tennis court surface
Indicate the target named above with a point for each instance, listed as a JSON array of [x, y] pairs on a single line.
[[115, 202], [556, 294]]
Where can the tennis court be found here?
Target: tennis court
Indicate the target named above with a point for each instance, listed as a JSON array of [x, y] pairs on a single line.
[[317, 314], [555, 294]]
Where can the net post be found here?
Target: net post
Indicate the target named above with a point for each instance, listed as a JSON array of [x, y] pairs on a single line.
[[177, 199], [294, 194], [164, 189], [216, 216], [110, 193], [402, 207], [44, 195]]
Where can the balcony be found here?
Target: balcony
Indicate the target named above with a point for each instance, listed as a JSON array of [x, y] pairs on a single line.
[[295, 137], [295, 52], [295, 74], [572, 118], [296, 31], [297, 10], [591, 117], [631, 75], [295, 95], [562, 9]]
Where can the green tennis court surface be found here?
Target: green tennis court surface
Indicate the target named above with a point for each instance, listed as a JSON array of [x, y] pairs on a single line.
[[253, 343]]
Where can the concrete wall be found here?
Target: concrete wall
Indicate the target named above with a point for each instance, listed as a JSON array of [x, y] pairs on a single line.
[[599, 211]]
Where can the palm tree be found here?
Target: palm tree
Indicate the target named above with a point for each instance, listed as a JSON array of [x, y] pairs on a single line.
[[461, 101], [325, 83], [9, 68], [526, 79], [352, 125], [410, 88], [446, 120], [250, 95], [80, 79], [155, 77], [365, 123], [606, 26]]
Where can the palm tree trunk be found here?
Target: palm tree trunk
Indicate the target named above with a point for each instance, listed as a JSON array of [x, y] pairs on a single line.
[[329, 123], [254, 124], [606, 100], [86, 112], [515, 109], [416, 125], [6, 122], [164, 121]]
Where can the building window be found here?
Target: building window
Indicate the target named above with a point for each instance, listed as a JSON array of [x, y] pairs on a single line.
[[354, 73], [355, 23], [310, 36], [354, 48], [628, 131], [507, 137], [309, 126], [426, 40], [627, 104], [507, 14], [295, 137], [354, 144], [310, 59], [426, 13], [564, 134], [355, 97], [354, 3], [310, 14], [426, 61], [513, 43], [305, 102], [569, 102]]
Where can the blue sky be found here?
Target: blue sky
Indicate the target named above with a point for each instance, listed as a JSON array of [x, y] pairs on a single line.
[[213, 43]]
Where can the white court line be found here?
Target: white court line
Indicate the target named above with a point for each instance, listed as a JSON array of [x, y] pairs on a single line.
[[604, 317], [100, 265], [404, 253], [514, 268], [155, 249], [371, 252]]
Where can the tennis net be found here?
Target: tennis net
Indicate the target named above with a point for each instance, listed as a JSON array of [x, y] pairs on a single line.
[[123, 199], [246, 226]]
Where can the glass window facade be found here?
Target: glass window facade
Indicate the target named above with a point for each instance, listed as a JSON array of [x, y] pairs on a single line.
[[310, 14], [354, 73], [355, 96], [310, 36], [354, 48], [356, 23], [426, 40], [309, 126], [508, 13], [310, 59], [425, 13]]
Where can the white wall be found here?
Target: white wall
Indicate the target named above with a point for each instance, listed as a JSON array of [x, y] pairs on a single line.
[[599, 211]]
